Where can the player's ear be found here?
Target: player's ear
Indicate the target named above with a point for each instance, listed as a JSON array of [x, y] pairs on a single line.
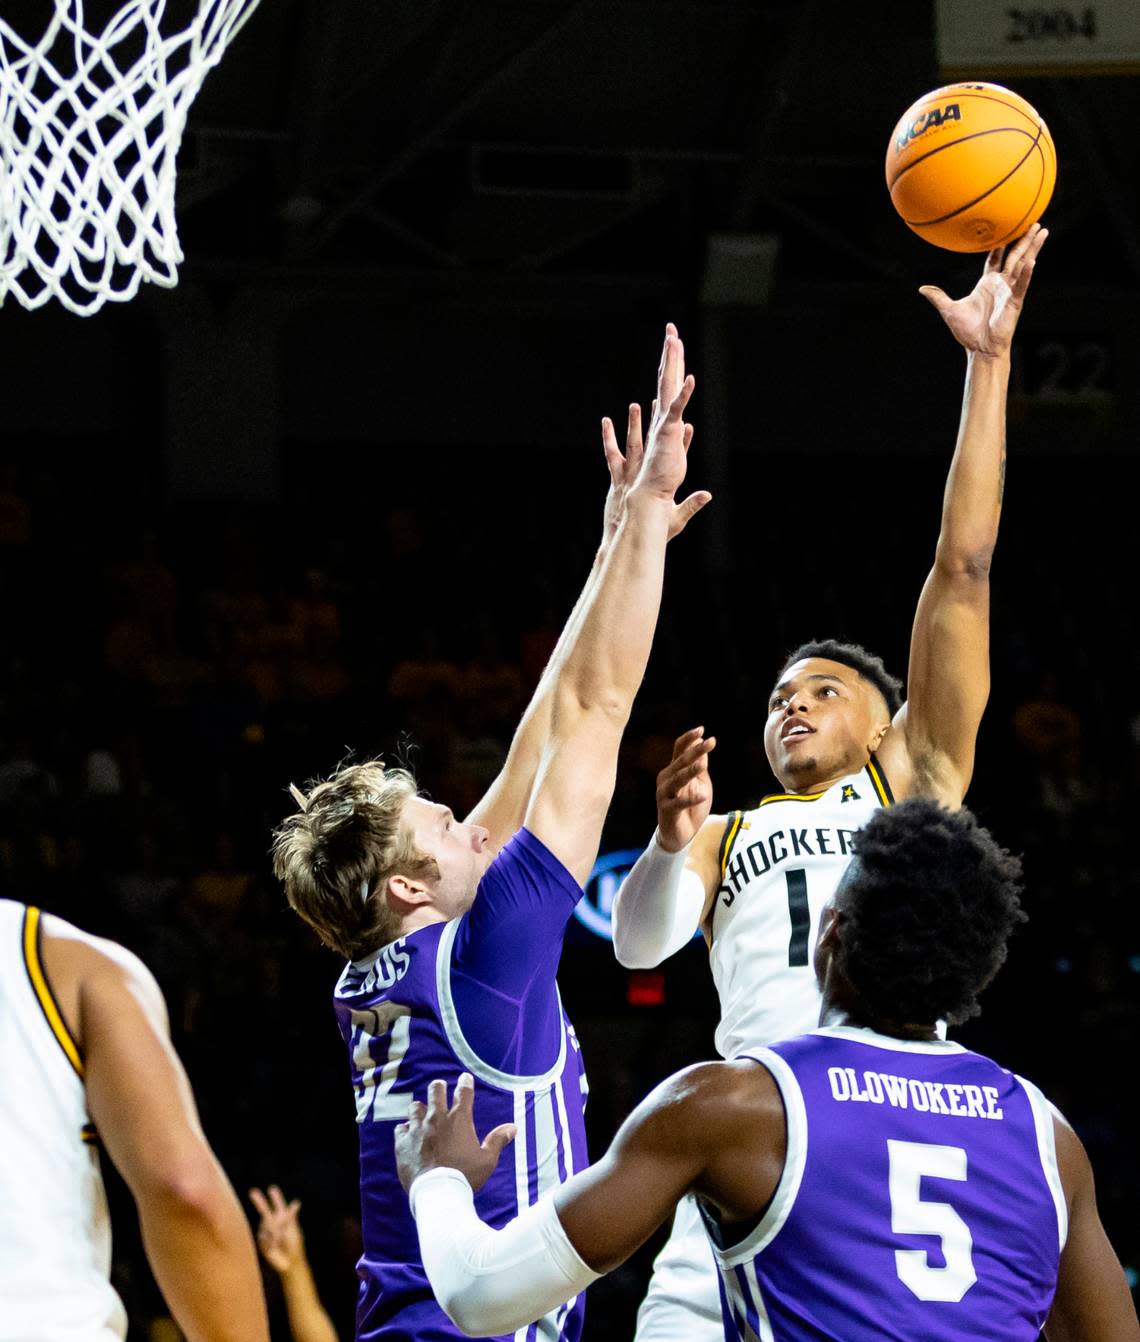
[[878, 731], [403, 890]]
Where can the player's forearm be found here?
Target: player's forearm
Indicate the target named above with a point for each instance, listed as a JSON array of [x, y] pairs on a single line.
[[971, 506], [308, 1321], [202, 1254], [492, 1281], [604, 666], [657, 909], [504, 806]]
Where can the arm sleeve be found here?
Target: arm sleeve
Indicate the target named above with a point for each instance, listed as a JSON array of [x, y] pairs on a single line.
[[488, 1281], [657, 908]]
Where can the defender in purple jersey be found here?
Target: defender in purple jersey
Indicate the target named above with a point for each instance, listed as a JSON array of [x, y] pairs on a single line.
[[867, 1181], [453, 930]]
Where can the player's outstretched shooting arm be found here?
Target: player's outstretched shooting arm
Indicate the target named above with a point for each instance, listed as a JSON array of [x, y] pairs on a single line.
[[504, 806], [928, 751]]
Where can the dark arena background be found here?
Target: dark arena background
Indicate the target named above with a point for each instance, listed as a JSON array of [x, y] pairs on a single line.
[[336, 492]]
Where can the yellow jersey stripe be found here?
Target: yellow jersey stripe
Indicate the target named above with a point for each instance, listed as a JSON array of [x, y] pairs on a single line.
[[43, 992], [879, 781], [792, 796], [731, 830]]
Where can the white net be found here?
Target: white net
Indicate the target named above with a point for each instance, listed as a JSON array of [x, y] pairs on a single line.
[[90, 126]]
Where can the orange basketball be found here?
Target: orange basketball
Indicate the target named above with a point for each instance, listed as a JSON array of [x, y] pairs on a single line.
[[970, 167]]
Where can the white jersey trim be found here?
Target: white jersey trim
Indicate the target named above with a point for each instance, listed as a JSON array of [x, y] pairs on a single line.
[[861, 1035], [1047, 1149], [463, 1050], [779, 1209]]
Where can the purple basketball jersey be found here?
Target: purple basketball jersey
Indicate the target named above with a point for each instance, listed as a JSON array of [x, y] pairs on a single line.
[[920, 1199], [402, 1013]]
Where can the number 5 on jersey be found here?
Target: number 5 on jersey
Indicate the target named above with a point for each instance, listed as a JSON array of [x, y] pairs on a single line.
[[381, 1041], [911, 1214]]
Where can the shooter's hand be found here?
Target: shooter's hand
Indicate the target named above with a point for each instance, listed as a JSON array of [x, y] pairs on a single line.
[[984, 321], [435, 1135], [684, 790]]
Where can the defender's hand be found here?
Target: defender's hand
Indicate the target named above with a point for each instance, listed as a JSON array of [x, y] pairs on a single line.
[[624, 471], [984, 321], [664, 463], [435, 1135], [279, 1235], [684, 790]]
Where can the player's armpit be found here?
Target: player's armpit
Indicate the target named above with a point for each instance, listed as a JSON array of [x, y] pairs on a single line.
[[1093, 1303]]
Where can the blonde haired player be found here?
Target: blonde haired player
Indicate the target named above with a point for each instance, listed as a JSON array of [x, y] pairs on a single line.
[[842, 744], [85, 1057]]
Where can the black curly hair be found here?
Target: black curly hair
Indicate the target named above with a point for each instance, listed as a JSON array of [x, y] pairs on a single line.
[[928, 906], [858, 658]]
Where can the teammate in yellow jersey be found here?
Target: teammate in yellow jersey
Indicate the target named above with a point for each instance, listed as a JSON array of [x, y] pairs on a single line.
[[842, 743], [85, 1058]]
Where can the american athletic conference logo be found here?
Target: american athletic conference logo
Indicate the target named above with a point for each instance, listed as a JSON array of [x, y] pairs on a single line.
[[595, 909]]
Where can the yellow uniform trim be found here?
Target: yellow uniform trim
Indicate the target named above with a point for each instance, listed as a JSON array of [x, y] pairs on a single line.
[[793, 796], [43, 992], [878, 778], [732, 829]]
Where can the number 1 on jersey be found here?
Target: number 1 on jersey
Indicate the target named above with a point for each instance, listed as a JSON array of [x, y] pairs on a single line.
[[800, 914]]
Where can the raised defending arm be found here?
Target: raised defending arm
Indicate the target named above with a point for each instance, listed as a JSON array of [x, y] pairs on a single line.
[[595, 687], [504, 806]]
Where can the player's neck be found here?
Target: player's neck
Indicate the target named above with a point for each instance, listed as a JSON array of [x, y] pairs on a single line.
[[834, 1015], [803, 786], [424, 915]]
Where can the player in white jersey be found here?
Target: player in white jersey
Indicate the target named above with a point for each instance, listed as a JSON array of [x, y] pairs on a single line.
[[86, 1060], [841, 743]]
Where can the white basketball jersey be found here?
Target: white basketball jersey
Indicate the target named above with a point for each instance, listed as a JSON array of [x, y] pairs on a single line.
[[55, 1236], [780, 864]]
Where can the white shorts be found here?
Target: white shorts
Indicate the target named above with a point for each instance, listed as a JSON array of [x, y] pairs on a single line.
[[683, 1300]]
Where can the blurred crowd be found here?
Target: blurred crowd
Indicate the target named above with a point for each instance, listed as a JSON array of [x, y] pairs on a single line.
[[161, 684]]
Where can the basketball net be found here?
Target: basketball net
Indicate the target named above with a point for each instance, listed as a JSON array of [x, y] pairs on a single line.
[[90, 126]]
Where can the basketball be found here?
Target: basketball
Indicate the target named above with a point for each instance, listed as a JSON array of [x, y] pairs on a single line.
[[970, 167]]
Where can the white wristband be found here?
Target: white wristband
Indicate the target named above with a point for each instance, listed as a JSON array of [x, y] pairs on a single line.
[[657, 908], [492, 1281]]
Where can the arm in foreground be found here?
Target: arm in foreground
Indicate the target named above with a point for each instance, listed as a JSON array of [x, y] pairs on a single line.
[[282, 1245], [1093, 1303], [700, 1129], [194, 1231], [948, 678]]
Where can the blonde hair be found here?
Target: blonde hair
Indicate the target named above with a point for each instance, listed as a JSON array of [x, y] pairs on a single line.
[[336, 853]]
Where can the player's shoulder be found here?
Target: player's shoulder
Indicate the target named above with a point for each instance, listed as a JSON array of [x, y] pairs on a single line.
[[710, 1097], [71, 950]]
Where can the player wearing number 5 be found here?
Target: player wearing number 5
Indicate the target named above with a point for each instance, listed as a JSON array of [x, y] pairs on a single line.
[[842, 744], [454, 929], [866, 1182]]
